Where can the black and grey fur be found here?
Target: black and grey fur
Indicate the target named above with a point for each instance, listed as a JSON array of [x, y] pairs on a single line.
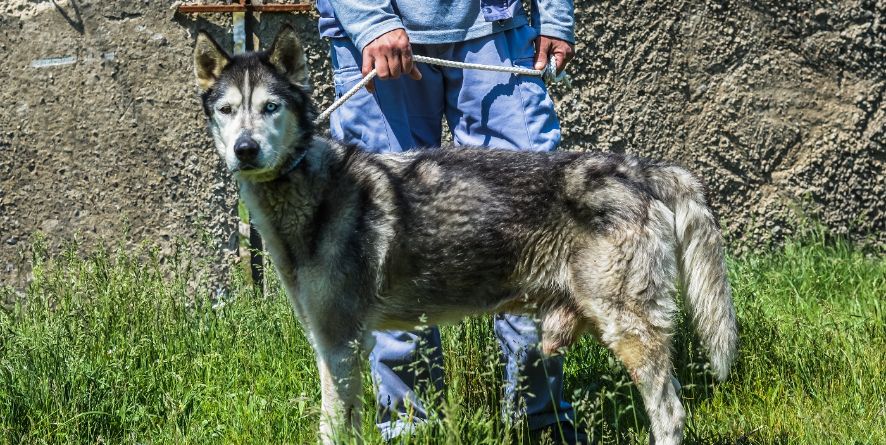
[[587, 242]]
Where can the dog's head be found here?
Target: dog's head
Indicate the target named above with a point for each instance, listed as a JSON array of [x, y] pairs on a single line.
[[257, 104]]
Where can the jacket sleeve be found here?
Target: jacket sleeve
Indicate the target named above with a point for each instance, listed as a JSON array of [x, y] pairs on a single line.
[[365, 20], [554, 18]]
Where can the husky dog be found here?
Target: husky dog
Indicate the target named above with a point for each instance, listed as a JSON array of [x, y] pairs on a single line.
[[587, 242]]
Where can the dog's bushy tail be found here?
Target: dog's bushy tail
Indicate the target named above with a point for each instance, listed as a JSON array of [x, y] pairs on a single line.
[[702, 265]]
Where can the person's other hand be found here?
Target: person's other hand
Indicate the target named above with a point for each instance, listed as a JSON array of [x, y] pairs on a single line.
[[546, 46], [391, 55]]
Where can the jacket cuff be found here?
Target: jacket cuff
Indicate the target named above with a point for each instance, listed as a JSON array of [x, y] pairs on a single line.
[[558, 32]]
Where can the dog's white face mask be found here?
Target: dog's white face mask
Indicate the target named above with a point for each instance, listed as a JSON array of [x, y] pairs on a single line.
[[255, 108]]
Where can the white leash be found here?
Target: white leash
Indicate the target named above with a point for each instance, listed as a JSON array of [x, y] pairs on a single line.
[[549, 74]]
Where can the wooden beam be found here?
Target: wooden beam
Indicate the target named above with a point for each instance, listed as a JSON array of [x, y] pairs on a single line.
[[289, 7], [296, 7]]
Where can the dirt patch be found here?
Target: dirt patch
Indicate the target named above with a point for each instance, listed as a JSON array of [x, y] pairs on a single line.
[[778, 105]]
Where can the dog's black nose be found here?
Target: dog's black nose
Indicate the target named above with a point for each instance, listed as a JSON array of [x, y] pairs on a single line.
[[245, 148]]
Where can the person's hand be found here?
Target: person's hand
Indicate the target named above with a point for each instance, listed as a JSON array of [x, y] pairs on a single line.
[[546, 46], [391, 55]]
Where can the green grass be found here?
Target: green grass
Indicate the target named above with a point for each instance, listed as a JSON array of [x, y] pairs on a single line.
[[115, 348]]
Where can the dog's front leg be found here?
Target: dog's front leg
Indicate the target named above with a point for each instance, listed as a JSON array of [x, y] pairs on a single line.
[[340, 386]]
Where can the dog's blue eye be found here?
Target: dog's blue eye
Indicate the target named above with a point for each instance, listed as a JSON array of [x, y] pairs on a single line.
[[271, 107]]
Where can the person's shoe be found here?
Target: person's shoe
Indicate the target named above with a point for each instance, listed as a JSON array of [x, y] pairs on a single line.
[[394, 430]]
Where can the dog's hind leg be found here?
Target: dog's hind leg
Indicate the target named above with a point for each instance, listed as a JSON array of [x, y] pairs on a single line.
[[645, 350], [647, 358]]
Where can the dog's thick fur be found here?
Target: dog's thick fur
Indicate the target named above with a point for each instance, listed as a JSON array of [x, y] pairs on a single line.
[[587, 242]]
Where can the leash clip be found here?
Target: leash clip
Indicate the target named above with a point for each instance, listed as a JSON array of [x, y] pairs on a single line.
[[550, 75]]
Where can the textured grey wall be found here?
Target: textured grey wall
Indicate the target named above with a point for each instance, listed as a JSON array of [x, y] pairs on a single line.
[[777, 105]]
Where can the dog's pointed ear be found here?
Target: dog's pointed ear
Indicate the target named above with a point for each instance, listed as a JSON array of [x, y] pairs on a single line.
[[288, 56], [209, 60]]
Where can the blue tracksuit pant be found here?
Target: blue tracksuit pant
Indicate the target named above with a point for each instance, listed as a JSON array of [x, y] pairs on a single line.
[[482, 108]]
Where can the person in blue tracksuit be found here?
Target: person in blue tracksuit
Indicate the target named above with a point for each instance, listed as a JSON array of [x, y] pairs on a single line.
[[403, 110]]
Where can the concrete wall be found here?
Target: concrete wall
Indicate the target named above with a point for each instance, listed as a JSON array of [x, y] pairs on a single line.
[[777, 104]]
